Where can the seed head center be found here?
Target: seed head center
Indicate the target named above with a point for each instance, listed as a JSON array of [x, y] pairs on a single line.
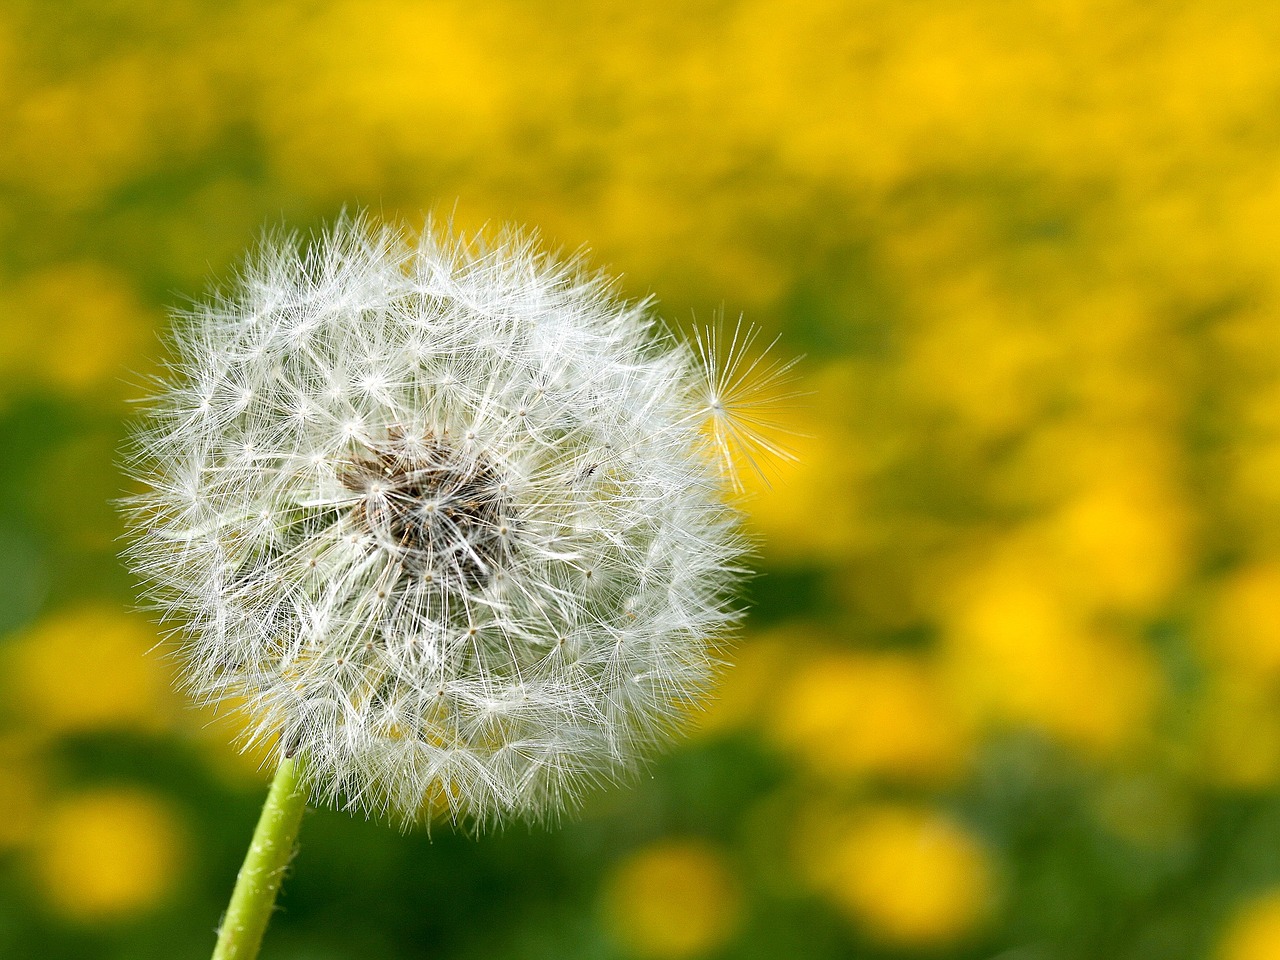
[[443, 513]]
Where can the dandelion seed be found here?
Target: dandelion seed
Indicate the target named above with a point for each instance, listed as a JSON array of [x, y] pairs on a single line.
[[744, 390], [440, 513]]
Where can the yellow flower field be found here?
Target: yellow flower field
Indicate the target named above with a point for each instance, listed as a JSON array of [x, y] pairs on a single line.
[[1010, 682]]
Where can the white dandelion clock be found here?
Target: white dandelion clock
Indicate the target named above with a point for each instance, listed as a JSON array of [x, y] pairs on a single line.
[[444, 517]]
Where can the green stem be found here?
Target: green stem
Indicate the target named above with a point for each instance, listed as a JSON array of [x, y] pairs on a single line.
[[254, 897]]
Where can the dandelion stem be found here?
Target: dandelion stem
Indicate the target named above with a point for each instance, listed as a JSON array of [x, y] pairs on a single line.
[[254, 897]]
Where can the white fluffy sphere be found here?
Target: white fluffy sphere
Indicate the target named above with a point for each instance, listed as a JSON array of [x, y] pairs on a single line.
[[443, 515]]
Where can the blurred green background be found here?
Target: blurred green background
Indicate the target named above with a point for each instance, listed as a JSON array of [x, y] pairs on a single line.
[[1010, 686]]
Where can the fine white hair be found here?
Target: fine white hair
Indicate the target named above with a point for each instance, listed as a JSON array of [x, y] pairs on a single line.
[[442, 515]]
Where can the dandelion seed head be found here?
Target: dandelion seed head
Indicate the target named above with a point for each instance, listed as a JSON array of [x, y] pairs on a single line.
[[440, 513]]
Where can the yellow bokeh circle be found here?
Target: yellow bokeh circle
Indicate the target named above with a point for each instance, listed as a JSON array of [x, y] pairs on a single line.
[[911, 877], [108, 853], [870, 715], [673, 900], [89, 668]]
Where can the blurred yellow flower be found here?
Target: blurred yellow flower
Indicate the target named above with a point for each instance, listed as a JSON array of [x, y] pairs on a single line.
[[1008, 358], [349, 92], [862, 714], [1018, 653], [1244, 623], [88, 668], [912, 876], [1111, 530], [75, 327], [1121, 543], [811, 509], [673, 900], [1253, 932], [108, 853], [76, 136]]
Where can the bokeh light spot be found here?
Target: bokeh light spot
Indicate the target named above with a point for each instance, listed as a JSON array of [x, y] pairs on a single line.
[[676, 899], [871, 715], [89, 668], [912, 877], [109, 853]]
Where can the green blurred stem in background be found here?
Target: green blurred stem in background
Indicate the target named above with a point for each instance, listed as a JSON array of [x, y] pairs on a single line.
[[254, 897]]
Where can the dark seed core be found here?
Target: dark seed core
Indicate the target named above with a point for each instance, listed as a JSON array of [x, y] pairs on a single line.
[[441, 512]]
